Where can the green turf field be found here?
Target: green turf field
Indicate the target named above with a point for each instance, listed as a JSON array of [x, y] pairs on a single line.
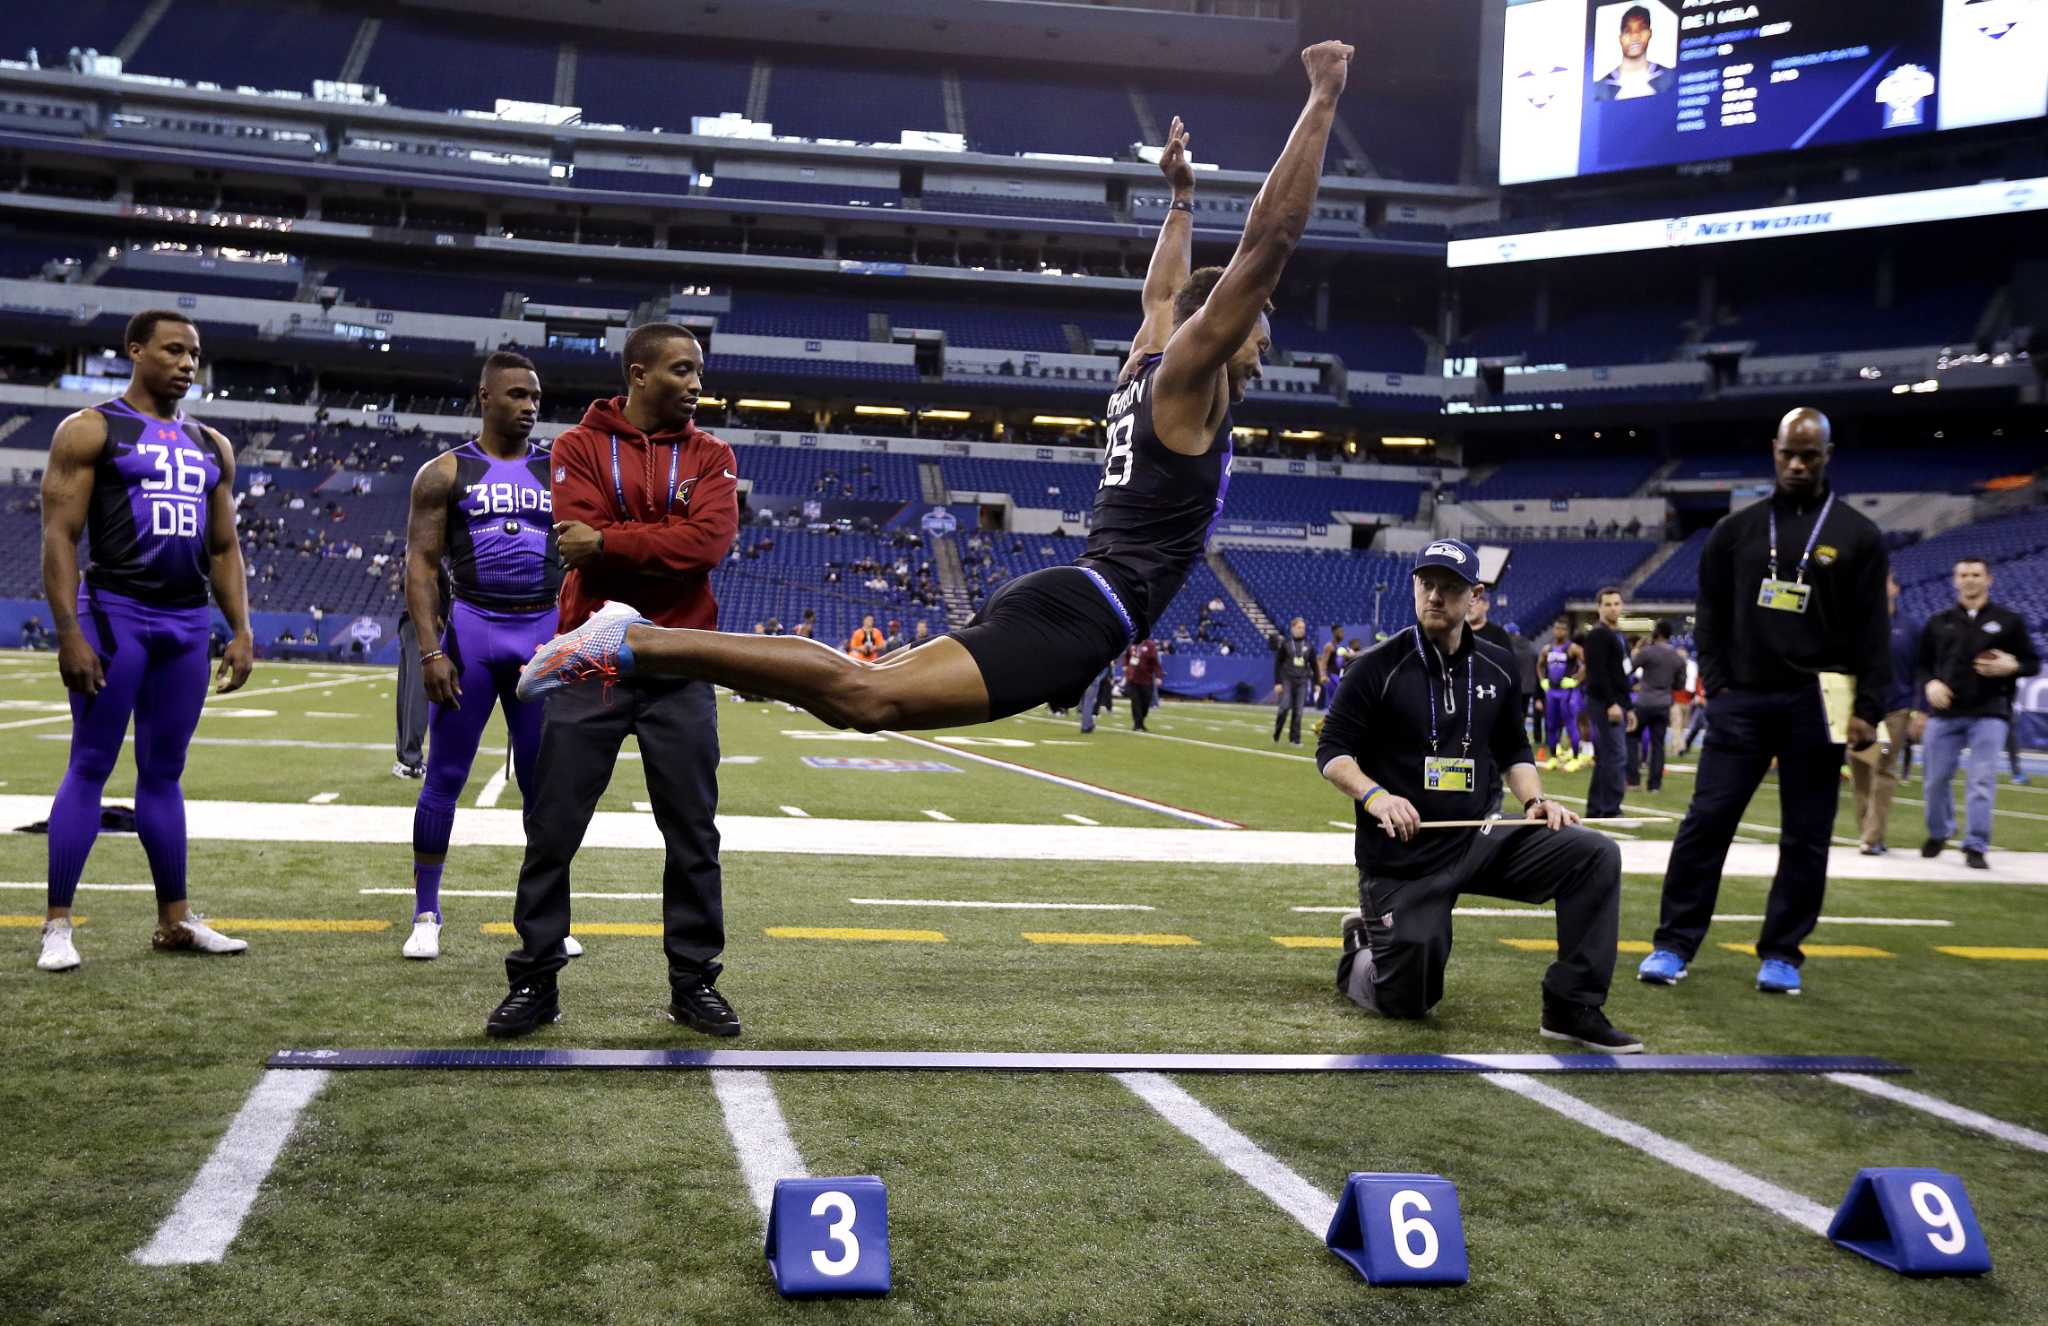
[[544, 1197]]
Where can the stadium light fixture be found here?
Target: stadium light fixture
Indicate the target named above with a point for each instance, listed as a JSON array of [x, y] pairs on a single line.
[[1059, 421], [746, 404], [896, 411], [715, 402], [944, 414], [1407, 441], [1302, 434], [1245, 431]]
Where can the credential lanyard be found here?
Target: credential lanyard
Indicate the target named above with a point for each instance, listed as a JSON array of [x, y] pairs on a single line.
[[1450, 701], [1811, 539], [675, 460]]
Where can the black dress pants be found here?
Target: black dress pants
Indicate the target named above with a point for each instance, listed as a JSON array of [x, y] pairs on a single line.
[[677, 724], [1749, 730]]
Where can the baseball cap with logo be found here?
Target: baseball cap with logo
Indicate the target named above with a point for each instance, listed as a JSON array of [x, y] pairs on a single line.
[[1453, 556]]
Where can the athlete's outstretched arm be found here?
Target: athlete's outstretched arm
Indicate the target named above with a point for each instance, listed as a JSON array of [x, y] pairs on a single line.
[[67, 492], [1173, 252], [426, 542], [230, 578], [1278, 217]]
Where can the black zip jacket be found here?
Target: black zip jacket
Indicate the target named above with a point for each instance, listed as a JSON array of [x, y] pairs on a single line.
[[1381, 718], [1949, 645], [1845, 627], [1606, 668]]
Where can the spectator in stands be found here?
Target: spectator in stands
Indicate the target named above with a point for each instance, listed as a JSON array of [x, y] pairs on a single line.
[[1970, 659], [1607, 702], [1141, 680], [1875, 772], [1659, 673], [1293, 672], [867, 643], [1769, 647]]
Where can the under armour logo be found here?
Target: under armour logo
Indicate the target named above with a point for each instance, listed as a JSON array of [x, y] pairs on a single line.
[[1487, 692]]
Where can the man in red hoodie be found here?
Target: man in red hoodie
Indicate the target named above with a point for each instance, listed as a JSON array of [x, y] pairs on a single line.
[[645, 504]]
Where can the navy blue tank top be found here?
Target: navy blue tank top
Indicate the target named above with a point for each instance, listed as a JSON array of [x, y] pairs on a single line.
[[146, 525], [1155, 506], [501, 530]]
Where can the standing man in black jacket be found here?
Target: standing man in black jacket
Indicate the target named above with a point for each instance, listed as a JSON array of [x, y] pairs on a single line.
[[1427, 726], [1607, 702], [1791, 612], [1294, 673], [1971, 657]]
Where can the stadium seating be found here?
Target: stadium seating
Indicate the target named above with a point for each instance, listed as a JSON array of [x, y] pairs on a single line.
[[786, 472], [1017, 204], [646, 88], [1541, 576], [985, 326], [269, 46], [1306, 500], [805, 191], [24, 255], [1326, 586], [1030, 483], [815, 368], [432, 66], [52, 30], [253, 283], [780, 573], [862, 101], [834, 318], [1573, 476], [1679, 577], [1009, 113], [1381, 346]]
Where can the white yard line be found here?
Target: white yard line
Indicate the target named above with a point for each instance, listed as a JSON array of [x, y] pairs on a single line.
[[1310, 1207], [1802, 1211], [493, 788], [211, 699], [1840, 841], [271, 821], [38, 886], [939, 815], [2017, 1134], [578, 895], [1079, 819], [760, 1137], [323, 798], [210, 1214], [999, 906], [795, 812], [2009, 814], [1143, 803]]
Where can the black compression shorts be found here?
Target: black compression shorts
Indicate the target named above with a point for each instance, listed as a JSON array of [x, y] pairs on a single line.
[[1041, 638]]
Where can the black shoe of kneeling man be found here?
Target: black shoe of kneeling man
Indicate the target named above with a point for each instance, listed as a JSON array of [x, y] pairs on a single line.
[[524, 1009], [1586, 1026], [701, 1008], [1974, 859]]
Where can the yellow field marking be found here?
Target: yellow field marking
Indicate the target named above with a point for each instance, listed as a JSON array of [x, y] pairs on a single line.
[[1081, 937], [647, 928], [1823, 950], [333, 927], [854, 932], [1308, 941], [1550, 945], [1996, 954], [33, 922]]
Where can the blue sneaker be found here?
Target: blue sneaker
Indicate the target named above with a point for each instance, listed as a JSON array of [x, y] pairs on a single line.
[[594, 650], [1662, 967], [1776, 977]]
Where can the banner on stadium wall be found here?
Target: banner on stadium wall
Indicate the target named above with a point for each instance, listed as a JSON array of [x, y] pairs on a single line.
[[1217, 676], [1260, 529], [1995, 198]]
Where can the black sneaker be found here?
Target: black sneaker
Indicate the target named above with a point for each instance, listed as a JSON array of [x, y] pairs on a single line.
[[1588, 1027], [1974, 859], [701, 1008], [1354, 932], [526, 1008], [1932, 847]]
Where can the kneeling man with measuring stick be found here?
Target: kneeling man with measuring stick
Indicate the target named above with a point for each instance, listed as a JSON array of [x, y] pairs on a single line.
[[1425, 729]]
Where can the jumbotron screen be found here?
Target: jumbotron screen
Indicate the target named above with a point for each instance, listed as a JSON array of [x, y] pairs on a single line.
[[1589, 87]]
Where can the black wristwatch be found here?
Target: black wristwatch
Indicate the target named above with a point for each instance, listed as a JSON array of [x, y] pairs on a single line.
[[1530, 805], [1179, 206]]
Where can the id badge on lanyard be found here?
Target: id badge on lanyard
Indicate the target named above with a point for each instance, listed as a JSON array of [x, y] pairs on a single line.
[[675, 455], [1791, 595], [1445, 773]]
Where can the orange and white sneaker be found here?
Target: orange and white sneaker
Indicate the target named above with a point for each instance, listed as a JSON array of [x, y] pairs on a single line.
[[194, 935], [59, 953], [594, 651]]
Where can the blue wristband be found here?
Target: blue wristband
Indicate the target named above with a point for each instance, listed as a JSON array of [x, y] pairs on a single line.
[[1365, 802]]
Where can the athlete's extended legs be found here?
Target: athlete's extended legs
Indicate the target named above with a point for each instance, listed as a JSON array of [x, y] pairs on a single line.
[[934, 685]]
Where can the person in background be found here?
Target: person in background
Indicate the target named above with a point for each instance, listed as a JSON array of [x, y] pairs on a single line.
[[1091, 699], [2012, 749], [1293, 671], [867, 643], [1875, 773], [1475, 617], [1971, 657], [1606, 693], [1660, 672], [1682, 698], [1328, 668], [1528, 665], [1141, 680]]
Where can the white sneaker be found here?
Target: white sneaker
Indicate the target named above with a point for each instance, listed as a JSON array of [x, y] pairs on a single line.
[[195, 934], [425, 941], [59, 953], [571, 947]]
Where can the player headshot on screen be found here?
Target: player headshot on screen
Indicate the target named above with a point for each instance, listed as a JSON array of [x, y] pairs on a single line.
[[1637, 75]]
